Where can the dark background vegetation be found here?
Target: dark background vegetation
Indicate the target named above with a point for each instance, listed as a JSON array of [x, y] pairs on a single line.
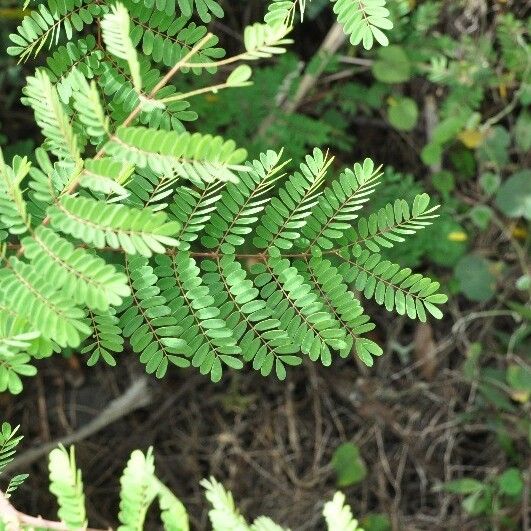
[[448, 400]]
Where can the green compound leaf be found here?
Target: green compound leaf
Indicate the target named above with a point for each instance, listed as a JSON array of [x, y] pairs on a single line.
[[393, 287], [364, 20], [135, 231], [287, 213], [138, 490], [195, 157], [67, 486], [147, 321], [42, 304], [209, 341], [83, 277]]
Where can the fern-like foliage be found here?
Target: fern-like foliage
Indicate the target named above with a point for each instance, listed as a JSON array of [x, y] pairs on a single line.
[[42, 304], [391, 224], [166, 39], [52, 118], [209, 341], [82, 55], [129, 232], [86, 279], [9, 441], [106, 337], [115, 28], [362, 20], [287, 213], [205, 8], [139, 488], [264, 40], [337, 207], [338, 516], [195, 157], [90, 113], [13, 214], [283, 12], [172, 512], [224, 515], [117, 226], [391, 286], [67, 486], [232, 218], [14, 484], [49, 21], [148, 321], [343, 305], [210, 309]]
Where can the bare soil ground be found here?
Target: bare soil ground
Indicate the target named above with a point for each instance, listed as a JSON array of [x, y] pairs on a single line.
[[271, 443]]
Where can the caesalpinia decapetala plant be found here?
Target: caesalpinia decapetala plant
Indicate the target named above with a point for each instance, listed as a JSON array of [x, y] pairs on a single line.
[[126, 229]]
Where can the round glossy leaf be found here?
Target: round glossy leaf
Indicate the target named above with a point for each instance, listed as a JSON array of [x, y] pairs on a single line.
[[522, 131], [510, 482], [519, 377], [495, 146], [348, 464], [443, 182], [403, 114], [463, 486], [392, 65], [475, 278], [514, 196], [489, 182], [431, 154], [481, 216]]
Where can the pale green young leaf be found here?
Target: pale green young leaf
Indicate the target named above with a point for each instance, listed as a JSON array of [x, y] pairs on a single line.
[[67, 486], [116, 28]]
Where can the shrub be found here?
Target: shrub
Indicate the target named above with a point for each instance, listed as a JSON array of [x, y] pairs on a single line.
[[128, 227]]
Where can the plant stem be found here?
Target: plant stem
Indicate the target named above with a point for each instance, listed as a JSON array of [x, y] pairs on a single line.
[[177, 97], [135, 112], [17, 521], [333, 40]]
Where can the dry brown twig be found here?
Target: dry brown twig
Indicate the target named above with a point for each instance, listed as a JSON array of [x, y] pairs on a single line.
[[136, 396]]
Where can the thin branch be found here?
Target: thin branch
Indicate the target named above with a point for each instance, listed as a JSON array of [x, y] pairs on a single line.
[[332, 42], [135, 397], [17, 521], [355, 61], [203, 90], [8, 514], [193, 254], [136, 111], [180, 64], [216, 64], [162, 83]]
